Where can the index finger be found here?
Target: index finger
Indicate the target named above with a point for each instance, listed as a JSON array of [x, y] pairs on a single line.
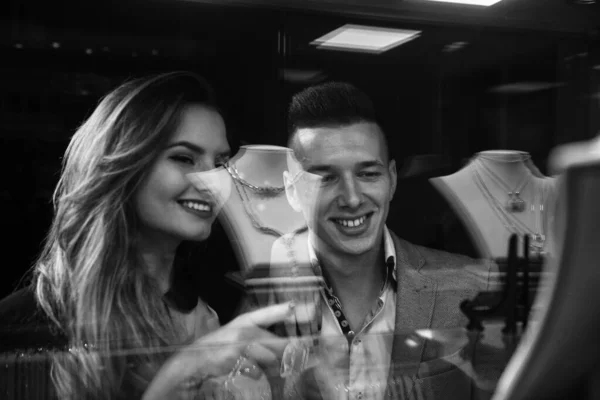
[[267, 316]]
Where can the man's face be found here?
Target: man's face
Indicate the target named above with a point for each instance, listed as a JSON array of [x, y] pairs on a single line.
[[354, 183]]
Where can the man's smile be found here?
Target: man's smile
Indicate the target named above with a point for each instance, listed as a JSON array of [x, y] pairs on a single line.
[[352, 225]]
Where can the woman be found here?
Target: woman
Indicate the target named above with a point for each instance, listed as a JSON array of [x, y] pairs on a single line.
[[123, 206]]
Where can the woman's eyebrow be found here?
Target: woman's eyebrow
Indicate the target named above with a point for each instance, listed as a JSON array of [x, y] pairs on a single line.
[[189, 145]]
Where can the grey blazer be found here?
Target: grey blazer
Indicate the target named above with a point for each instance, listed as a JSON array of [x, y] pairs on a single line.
[[432, 352]]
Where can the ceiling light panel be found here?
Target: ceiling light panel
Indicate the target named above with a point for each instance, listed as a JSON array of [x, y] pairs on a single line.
[[365, 38], [485, 3]]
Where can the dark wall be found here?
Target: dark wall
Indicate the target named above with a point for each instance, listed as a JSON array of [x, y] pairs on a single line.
[[431, 100]]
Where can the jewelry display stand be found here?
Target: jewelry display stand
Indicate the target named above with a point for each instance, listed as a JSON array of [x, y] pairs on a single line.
[[497, 194], [558, 355], [520, 276], [258, 211], [497, 319]]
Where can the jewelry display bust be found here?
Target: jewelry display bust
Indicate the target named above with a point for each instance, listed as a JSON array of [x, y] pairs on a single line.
[[258, 212], [498, 193]]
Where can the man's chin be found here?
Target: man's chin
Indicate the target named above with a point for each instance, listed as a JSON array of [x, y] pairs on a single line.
[[353, 245]]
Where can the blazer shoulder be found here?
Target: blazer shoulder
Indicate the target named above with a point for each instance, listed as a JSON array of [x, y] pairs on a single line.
[[446, 259], [418, 256], [451, 268]]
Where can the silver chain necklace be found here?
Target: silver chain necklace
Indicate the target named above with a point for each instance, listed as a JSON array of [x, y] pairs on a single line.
[[539, 238], [514, 204], [511, 222], [264, 190], [246, 202]]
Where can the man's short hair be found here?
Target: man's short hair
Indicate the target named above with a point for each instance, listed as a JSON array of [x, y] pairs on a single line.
[[329, 105]]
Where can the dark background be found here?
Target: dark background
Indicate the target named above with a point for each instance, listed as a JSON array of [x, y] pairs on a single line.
[[59, 58]]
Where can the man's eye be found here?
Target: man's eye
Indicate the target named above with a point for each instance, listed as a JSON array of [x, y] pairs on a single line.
[[327, 178], [370, 174], [180, 158]]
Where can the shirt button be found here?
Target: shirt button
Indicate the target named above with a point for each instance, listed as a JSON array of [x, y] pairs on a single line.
[[359, 395]]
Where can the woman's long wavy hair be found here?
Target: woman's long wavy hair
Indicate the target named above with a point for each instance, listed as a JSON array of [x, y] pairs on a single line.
[[89, 279]]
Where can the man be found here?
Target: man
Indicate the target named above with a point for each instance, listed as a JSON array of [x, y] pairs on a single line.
[[383, 295]]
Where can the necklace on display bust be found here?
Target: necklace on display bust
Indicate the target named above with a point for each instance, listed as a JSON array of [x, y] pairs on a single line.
[[514, 204], [538, 240], [267, 191], [264, 190], [511, 222]]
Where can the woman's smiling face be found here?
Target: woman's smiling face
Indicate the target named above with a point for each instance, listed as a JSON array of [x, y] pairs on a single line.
[[166, 203]]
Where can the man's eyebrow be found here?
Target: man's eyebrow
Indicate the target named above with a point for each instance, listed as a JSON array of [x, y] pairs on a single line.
[[319, 168], [329, 168], [188, 145], [371, 163]]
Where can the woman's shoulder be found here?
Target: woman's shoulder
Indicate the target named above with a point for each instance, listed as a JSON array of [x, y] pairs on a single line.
[[24, 325], [18, 307]]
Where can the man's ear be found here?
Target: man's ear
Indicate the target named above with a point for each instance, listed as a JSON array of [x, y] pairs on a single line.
[[393, 177], [290, 191]]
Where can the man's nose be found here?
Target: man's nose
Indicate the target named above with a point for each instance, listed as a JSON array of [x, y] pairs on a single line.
[[350, 194]]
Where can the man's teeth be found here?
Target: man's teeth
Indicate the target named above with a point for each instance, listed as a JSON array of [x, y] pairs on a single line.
[[196, 206], [351, 222]]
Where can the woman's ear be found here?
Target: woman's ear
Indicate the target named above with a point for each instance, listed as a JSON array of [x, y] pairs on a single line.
[[291, 192]]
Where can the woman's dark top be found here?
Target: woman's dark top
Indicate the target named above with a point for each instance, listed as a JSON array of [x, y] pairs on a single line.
[[27, 340], [25, 325]]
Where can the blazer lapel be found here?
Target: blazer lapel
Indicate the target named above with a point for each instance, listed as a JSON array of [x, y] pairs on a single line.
[[415, 302]]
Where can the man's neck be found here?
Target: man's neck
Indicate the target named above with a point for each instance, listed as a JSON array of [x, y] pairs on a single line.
[[356, 279], [358, 274]]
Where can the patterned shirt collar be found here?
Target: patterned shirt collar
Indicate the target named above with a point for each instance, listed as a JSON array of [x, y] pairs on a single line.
[[388, 248]]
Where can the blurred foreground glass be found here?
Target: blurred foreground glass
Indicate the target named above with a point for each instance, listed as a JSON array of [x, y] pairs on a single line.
[[216, 183]]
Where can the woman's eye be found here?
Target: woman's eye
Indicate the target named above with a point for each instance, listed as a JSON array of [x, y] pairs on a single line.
[[183, 159], [221, 163]]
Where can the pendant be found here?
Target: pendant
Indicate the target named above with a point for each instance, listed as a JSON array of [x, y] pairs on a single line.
[[515, 203], [536, 243]]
